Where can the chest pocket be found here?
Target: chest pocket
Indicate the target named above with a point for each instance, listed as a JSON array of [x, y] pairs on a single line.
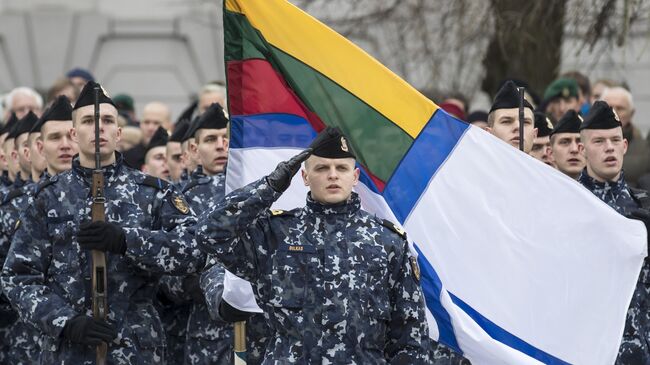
[[291, 275]]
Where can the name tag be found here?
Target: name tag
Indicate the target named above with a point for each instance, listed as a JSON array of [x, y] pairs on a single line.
[[297, 248]]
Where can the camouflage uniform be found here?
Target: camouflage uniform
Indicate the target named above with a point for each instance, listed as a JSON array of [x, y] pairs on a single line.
[[336, 285], [47, 276], [635, 346], [208, 341], [22, 337]]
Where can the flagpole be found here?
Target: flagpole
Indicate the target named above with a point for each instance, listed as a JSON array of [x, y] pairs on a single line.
[[521, 117], [240, 343]]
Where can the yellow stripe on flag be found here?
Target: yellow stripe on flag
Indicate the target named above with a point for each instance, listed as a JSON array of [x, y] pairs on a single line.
[[300, 35]]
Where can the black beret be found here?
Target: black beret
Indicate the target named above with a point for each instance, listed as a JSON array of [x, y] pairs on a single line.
[[187, 113], [87, 96], [508, 97], [331, 143], [158, 139], [212, 118], [543, 124], [477, 116], [10, 124], [180, 128], [601, 116], [191, 129], [569, 123], [24, 125], [59, 110]]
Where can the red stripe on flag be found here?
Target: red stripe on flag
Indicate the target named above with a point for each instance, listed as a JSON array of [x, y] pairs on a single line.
[[254, 87]]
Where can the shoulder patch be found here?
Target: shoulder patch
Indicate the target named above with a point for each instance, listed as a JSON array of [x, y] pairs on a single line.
[[154, 182], [179, 203], [390, 225]]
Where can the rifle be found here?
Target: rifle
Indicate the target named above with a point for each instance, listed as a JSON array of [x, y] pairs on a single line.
[[100, 302]]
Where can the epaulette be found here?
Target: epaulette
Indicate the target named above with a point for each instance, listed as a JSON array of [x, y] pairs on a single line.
[[390, 225], [13, 194], [154, 182], [280, 212]]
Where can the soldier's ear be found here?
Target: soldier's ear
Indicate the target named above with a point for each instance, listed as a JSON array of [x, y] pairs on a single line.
[[304, 177], [73, 135], [39, 146], [357, 172]]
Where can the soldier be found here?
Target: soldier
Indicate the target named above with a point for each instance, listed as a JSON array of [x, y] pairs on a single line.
[[207, 341], [337, 284], [503, 118], [561, 96], [155, 155], [541, 144], [174, 150], [23, 339], [565, 141], [189, 159], [20, 152], [603, 145], [37, 161], [6, 180], [175, 161], [55, 142], [146, 233]]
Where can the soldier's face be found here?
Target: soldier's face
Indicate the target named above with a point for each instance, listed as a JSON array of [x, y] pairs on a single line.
[[212, 149], [558, 107], [57, 146], [84, 131], [604, 150], [330, 180], [542, 150], [506, 127], [566, 154], [37, 159], [22, 148], [175, 160], [155, 163], [9, 148], [3, 158]]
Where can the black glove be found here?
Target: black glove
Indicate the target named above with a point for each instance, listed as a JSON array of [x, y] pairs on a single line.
[[102, 236], [231, 314], [192, 287], [280, 178], [88, 331]]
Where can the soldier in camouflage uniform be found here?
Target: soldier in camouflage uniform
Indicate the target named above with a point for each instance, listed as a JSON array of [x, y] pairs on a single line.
[[147, 233], [175, 152], [603, 146], [337, 284], [6, 178], [155, 155], [23, 337]]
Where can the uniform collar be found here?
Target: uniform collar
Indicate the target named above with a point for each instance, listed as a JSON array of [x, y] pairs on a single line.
[[350, 206], [592, 184], [109, 171], [198, 173]]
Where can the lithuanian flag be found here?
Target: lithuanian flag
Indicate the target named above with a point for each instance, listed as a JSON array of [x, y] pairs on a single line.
[[500, 286]]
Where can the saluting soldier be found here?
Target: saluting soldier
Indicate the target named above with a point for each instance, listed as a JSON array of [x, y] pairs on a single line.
[[146, 234], [604, 147], [337, 284]]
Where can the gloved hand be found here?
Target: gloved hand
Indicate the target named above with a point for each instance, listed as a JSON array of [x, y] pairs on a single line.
[[192, 287], [231, 314], [280, 178], [643, 216], [102, 236], [88, 331]]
